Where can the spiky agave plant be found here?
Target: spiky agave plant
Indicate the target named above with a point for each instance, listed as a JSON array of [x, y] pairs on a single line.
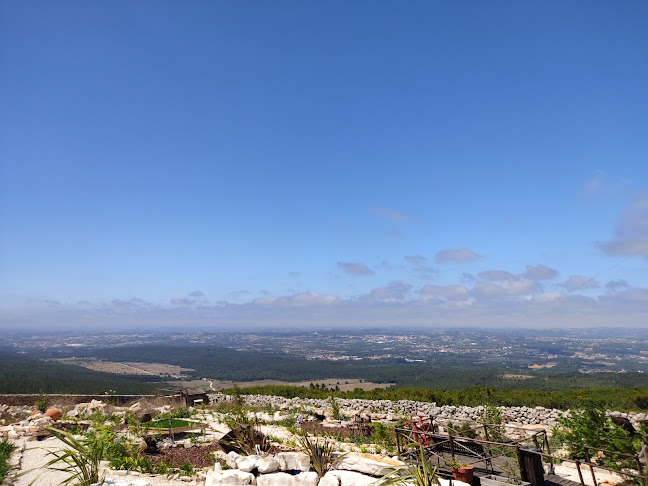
[[422, 473], [320, 452]]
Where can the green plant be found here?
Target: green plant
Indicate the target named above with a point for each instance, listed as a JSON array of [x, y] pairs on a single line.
[[383, 435], [81, 459], [465, 430], [246, 439], [237, 395], [177, 413], [422, 473], [42, 403], [335, 407], [320, 451], [590, 427], [511, 469], [275, 439], [135, 426], [187, 469], [454, 463], [76, 429], [163, 467], [6, 448], [493, 423], [359, 439]]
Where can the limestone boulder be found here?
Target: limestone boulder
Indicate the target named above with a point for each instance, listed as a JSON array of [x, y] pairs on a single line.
[[285, 479], [368, 464], [268, 465], [230, 477], [247, 463], [232, 459], [348, 478], [293, 461]]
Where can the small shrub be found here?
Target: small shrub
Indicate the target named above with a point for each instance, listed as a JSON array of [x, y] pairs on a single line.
[[42, 403], [383, 435], [187, 469], [590, 427], [163, 467], [336, 408]]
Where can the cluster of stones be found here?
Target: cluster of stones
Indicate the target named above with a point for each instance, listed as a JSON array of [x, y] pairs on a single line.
[[293, 469], [32, 426]]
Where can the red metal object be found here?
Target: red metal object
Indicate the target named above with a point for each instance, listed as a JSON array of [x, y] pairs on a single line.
[[420, 428]]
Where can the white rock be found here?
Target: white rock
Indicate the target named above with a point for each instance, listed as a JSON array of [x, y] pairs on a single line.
[[276, 479], [232, 459], [348, 478], [368, 464], [247, 463], [268, 464], [231, 477], [220, 455], [307, 479], [293, 461]]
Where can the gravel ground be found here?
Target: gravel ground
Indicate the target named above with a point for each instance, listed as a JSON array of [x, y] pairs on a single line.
[[36, 455]]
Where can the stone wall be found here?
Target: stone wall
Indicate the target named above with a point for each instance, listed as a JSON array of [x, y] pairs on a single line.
[[407, 408], [63, 399]]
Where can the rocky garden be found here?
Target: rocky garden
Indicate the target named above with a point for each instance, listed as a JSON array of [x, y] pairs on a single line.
[[269, 440]]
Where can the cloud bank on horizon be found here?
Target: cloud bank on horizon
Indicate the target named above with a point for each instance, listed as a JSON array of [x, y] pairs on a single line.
[[224, 165]]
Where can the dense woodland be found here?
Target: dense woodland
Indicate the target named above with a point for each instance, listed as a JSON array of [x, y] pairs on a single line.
[[21, 374], [458, 384], [445, 372]]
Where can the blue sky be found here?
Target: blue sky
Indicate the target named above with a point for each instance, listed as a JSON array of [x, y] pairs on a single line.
[[325, 163]]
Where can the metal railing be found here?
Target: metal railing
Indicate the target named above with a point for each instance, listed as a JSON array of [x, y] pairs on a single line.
[[425, 434]]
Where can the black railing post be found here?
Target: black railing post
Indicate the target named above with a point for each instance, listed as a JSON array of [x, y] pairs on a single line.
[[580, 474], [589, 462]]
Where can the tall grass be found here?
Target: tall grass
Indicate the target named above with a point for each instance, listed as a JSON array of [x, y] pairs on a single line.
[[6, 448]]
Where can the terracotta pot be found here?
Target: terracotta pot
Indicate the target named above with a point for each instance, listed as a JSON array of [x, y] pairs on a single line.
[[54, 413], [464, 473]]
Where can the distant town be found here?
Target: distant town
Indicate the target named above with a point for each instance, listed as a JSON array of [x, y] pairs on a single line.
[[585, 351]]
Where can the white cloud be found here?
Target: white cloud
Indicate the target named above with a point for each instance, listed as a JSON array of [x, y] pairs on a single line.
[[580, 282], [313, 298], [516, 287], [181, 301], [496, 275], [616, 285], [631, 234], [540, 272], [421, 268], [416, 259], [518, 302], [355, 268], [446, 291], [394, 292], [391, 215], [545, 297], [593, 185], [456, 255], [302, 299]]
